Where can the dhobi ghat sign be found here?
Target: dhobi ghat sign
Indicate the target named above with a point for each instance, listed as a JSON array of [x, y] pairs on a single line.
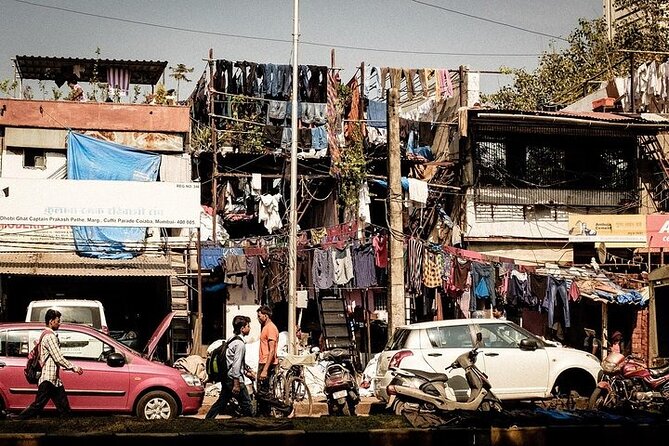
[[99, 203]]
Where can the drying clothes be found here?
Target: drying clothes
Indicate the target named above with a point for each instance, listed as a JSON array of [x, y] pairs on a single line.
[[377, 114], [456, 236], [413, 258], [459, 276], [268, 212], [380, 243], [343, 265], [256, 183], [322, 269], [364, 200], [538, 288], [483, 283], [235, 269], [372, 84], [432, 269], [277, 110], [363, 265], [519, 293], [418, 190], [574, 291], [557, 294], [317, 235], [335, 129], [352, 123]]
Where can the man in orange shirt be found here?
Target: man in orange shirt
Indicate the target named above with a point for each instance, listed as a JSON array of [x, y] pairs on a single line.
[[268, 360]]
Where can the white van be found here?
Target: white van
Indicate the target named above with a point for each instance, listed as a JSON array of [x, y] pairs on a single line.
[[73, 311]]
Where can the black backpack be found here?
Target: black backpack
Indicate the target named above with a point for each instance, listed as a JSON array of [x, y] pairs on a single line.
[[33, 369], [216, 364]]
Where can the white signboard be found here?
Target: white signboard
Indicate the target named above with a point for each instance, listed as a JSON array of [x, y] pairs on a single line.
[[99, 203]]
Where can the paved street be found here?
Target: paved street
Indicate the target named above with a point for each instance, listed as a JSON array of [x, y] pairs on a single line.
[[368, 405]]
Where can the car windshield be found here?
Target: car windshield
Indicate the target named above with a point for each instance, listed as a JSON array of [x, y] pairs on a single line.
[[504, 335], [71, 315]]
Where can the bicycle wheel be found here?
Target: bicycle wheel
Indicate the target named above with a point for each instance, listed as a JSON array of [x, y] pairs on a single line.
[[278, 386], [278, 408], [298, 393]]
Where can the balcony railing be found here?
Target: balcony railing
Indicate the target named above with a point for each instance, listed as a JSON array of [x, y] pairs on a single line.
[[556, 197]]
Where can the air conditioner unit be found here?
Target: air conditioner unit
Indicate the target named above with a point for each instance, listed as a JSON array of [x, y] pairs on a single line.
[[40, 162]]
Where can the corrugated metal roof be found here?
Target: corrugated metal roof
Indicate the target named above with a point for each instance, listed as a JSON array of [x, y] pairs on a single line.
[[60, 69], [70, 264], [585, 115]]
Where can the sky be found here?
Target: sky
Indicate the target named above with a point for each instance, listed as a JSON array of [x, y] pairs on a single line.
[[483, 34]]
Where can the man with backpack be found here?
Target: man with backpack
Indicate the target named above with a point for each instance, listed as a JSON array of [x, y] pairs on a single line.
[[233, 368], [49, 386]]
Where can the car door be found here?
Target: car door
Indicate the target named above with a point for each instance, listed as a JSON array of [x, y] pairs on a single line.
[[14, 347], [514, 373], [444, 344], [101, 387]]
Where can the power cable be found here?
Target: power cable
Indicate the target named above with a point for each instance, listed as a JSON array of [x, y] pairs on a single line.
[[496, 22], [270, 39]]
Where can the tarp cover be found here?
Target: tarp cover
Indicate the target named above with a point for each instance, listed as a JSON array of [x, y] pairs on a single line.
[[89, 158]]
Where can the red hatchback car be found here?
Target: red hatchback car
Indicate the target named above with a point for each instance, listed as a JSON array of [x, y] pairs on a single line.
[[116, 378]]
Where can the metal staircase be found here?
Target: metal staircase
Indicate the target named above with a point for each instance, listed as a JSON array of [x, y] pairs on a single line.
[[651, 149], [180, 330], [335, 323]]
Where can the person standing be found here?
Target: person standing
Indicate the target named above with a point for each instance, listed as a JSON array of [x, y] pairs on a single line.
[[498, 312], [76, 92], [49, 386], [267, 359], [235, 357]]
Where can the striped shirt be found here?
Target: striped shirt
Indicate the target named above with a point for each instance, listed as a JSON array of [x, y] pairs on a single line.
[[52, 359]]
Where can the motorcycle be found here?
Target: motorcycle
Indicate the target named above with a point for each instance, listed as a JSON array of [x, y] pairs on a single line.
[[420, 391], [340, 383], [628, 384]]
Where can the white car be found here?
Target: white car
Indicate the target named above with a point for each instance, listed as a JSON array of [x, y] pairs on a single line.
[[520, 365]]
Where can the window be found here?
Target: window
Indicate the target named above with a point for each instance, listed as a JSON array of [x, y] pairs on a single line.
[[18, 342], [34, 159], [500, 336], [75, 345], [450, 337], [399, 339]]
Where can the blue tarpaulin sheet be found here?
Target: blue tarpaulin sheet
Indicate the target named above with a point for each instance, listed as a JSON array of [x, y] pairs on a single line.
[[89, 158]]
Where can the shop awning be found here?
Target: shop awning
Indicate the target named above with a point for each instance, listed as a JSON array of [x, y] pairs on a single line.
[[70, 264]]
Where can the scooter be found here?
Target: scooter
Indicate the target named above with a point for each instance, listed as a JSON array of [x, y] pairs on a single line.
[[419, 391], [341, 383]]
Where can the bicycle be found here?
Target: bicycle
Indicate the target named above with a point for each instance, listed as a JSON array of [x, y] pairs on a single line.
[[289, 385]]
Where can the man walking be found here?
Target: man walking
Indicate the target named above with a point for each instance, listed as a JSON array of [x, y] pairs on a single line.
[[233, 384], [267, 360], [49, 386]]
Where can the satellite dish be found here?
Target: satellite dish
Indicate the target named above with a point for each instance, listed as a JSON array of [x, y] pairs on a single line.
[[601, 252]]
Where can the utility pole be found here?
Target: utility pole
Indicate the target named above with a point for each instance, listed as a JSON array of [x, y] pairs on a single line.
[[396, 300], [214, 147], [292, 239]]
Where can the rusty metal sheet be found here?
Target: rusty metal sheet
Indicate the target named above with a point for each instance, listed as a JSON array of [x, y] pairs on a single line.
[[70, 264]]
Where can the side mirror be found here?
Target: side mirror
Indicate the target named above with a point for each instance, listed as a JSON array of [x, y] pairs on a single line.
[[528, 344], [115, 360]]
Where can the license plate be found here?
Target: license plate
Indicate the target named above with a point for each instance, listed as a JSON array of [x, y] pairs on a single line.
[[339, 394]]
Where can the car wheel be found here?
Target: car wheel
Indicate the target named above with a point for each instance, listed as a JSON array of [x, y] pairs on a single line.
[[157, 405]]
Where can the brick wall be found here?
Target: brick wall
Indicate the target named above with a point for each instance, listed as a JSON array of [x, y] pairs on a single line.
[[640, 334]]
